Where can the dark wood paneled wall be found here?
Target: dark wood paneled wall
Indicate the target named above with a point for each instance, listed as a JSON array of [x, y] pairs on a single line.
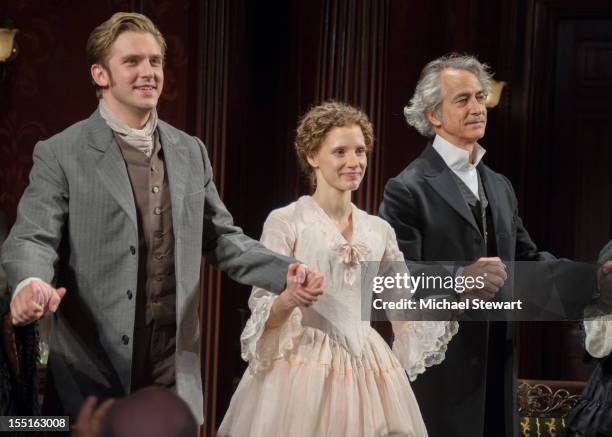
[[48, 84], [566, 177]]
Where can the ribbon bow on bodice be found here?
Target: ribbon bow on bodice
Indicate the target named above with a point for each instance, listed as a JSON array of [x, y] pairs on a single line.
[[351, 255]]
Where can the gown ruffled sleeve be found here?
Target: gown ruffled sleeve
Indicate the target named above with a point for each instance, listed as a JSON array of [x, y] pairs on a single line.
[[598, 329], [261, 345], [417, 344]]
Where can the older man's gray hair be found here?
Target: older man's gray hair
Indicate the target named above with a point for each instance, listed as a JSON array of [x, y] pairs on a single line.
[[428, 94]]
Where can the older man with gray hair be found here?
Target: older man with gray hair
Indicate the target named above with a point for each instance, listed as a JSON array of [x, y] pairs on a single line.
[[449, 206]]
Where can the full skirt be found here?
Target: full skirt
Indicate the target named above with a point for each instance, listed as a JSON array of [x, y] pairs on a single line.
[[320, 389]]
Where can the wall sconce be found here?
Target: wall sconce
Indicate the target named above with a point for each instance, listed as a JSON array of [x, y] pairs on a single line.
[[495, 93], [8, 50]]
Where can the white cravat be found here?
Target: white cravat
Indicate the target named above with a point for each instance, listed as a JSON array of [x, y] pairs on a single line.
[[458, 160], [142, 139]]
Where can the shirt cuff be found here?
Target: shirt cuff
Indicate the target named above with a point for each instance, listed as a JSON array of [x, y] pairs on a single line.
[[22, 284]]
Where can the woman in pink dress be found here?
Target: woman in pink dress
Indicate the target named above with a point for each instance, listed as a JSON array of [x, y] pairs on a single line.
[[321, 370]]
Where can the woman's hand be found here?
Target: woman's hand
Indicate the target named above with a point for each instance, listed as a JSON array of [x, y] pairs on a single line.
[[304, 286]]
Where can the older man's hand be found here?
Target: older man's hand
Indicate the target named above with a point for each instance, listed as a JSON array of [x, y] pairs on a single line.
[[492, 271], [33, 301]]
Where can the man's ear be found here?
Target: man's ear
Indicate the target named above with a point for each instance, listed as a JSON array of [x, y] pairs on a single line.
[[100, 76], [433, 119]]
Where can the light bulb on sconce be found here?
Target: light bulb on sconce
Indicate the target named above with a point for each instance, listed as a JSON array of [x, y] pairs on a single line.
[[495, 93], [8, 49]]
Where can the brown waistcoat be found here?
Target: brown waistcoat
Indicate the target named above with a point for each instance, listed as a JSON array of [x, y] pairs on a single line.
[[155, 318]]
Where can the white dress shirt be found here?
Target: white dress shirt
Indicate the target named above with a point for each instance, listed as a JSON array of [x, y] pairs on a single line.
[[458, 160]]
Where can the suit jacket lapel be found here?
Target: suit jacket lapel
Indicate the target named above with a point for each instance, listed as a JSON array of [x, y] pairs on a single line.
[[111, 167], [440, 178], [176, 162]]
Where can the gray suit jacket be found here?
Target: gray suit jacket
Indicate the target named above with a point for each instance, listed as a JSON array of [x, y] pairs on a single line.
[[76, 227]]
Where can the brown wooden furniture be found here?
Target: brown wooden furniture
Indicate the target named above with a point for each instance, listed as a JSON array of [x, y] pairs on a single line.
[[545, 404]]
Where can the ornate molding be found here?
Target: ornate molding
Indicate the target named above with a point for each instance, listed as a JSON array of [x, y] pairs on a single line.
[[540, 400]]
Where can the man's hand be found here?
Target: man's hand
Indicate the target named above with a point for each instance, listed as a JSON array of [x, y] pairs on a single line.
[[33, 301], [90, 419], [492, 271], [304, 286], [604, 285]]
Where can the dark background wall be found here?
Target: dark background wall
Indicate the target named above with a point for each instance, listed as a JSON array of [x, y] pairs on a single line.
[[239, 73]]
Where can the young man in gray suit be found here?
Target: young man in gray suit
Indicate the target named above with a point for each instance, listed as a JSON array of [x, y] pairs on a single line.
[[448, 206], [118, 213]]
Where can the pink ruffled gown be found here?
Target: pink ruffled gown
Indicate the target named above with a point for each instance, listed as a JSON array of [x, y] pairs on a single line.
[[325, 372]]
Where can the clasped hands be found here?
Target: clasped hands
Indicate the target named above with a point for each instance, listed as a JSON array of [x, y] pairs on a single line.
[[304, 286]]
